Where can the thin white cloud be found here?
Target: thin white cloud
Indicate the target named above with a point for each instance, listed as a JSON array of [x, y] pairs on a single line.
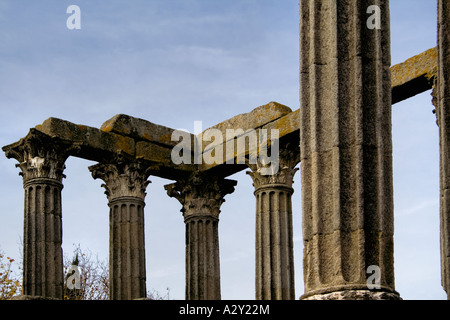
[[423, 206]]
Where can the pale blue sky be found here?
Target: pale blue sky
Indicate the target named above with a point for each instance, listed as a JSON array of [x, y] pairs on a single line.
[[174, 62]]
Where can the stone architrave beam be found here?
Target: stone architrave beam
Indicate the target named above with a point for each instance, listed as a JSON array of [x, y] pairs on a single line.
[[151, 142], [100, 145], [252, 120], [414, 76], [139, 130], [93, 143], [241, 128]]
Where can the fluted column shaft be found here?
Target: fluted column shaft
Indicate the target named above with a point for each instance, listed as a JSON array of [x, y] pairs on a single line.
[[42, 239], [443, 117], [274, 277], [274, 244], [202, 258], [125, 185], [201, 197], [346, 148], [41, 160]]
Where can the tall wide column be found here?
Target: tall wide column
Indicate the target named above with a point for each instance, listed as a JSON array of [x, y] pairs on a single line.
[[201, 197], [346, 150], [274, 278], [443, 117], [125, 184], [41, 160]]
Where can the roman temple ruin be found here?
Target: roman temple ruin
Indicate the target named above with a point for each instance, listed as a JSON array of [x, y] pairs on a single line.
[[340, 137]]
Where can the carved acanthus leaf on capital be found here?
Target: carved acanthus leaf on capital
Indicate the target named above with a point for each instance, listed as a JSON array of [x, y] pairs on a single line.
[[123, 178], [201, 195], [289, 157], [41, 156]]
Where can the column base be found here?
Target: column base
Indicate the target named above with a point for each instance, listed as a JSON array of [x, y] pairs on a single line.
[[354, 295]]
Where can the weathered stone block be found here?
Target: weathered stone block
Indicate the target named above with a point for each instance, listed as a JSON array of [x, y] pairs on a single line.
[[160, 158], [94, 144], [140, 129], [413, 76], [287, 124], [253, 119], [233, 135]]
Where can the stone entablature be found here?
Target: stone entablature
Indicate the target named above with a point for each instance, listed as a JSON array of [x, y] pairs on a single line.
[[140, 138]]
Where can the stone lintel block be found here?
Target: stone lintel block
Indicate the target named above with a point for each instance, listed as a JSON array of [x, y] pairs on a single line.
[[161, 158], [287, 125], [254, 119], [423, 64], [229, 164], [153, 152], [94, 144], [414, 76], [232, 148], [140, 130]]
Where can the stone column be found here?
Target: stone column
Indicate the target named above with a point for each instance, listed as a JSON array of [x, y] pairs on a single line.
[[346, 149], [443, 119], [201, 197], [125, 184], [274, 234], [41, 160]]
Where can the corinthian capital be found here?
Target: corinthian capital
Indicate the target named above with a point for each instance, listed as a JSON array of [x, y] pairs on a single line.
[[201, 194], [125, 178], [40, 156], [289, 157]]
